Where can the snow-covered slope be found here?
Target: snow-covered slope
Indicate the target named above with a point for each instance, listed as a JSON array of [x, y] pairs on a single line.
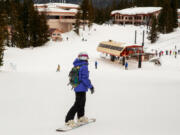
[[34, 99]]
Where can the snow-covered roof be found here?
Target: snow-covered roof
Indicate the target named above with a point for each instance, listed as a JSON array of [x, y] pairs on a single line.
[[137, 10], [58, 5], [118, 44], [55, 9]]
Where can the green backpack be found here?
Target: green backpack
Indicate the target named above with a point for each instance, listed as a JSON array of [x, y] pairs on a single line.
[[74, 77]]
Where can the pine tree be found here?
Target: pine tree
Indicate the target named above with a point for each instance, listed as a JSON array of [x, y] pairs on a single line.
[[174, 4], [114, 5], [18, 35], [25, 22], [77, 24], [29, 28], [139, 3], [3, 27], [44, 30], [155, 3], [98, 15], [14, 20], [165, 21], [90, 14], [153, 35], [84, 9]]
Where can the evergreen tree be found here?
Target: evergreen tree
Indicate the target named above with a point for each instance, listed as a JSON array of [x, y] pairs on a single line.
[[3, 27], [165, 21], [7, 12], [99, 16], [38, 29], [157, 3], [28, 27], [153, 35], [139, 3], [84, 9], [77, 24], [174, 4], [44, 34], [25, 22], [15, 23], [114, 5], [90, 13]]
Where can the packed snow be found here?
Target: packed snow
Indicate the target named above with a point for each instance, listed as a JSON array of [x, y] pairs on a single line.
[[34, 98]]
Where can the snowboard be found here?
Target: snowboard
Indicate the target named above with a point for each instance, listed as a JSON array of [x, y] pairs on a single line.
[[66, 128]]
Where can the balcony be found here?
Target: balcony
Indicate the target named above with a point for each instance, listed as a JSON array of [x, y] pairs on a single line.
[[67, 20]]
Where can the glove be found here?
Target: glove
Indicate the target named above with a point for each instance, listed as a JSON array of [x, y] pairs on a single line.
[[92, 90]]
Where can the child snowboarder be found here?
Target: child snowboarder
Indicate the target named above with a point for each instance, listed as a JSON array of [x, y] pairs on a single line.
[[80, 92]]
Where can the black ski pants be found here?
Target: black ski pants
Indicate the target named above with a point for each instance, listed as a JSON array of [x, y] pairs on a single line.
[[78, 106]]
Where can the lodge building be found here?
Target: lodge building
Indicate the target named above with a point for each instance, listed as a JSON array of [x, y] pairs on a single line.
[[60, 16], [119, 49], [135, 15]]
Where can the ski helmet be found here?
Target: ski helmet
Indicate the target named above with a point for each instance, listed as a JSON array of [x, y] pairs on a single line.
[[83, 56]]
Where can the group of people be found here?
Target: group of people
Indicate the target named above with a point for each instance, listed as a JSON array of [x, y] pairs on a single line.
[[168, 52]]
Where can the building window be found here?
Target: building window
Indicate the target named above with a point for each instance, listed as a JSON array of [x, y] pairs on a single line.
[[54, 34], [59, 34], [138, 17], [52, 17], [67, 17]]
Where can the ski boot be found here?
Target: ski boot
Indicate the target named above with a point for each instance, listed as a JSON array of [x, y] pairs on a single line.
[[82, 120], [71, 124]]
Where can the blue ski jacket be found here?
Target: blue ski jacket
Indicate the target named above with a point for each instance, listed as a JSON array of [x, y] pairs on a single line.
[[85, 83]]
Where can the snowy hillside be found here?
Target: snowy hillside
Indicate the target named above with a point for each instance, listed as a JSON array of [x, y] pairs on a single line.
[[34, 98]]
